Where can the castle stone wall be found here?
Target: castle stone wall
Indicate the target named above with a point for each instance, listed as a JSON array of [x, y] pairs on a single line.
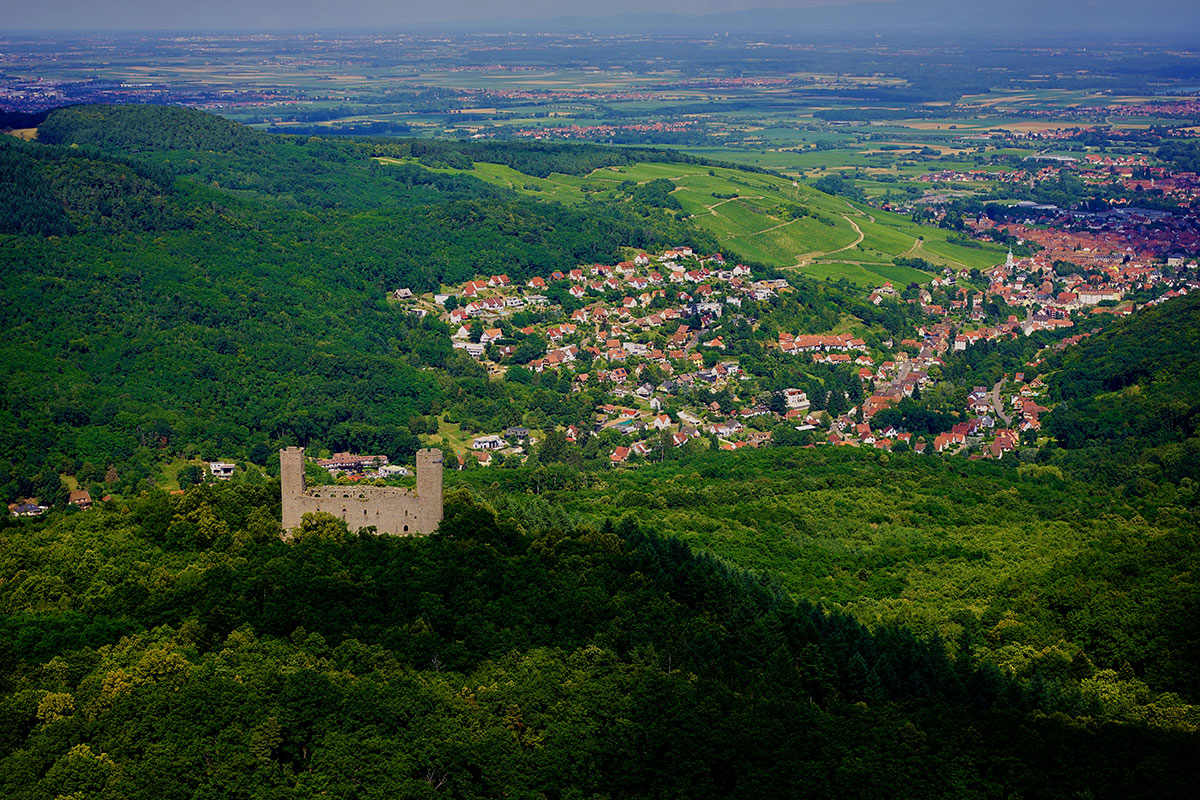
[[391, 509]]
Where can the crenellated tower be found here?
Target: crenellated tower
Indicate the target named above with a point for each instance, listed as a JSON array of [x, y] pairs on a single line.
[[429, 487], [292, 485]]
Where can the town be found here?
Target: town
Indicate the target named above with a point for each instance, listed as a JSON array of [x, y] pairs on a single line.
[[655, 333]]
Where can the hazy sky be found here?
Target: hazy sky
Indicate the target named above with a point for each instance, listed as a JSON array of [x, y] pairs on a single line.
[[1178, 17], [243, 14]]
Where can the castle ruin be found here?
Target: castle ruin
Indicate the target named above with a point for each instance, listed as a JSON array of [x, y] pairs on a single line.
[[391, 509]]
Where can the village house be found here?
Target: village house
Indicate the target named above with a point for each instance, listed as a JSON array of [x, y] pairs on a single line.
[[351, 463], [221, 470]]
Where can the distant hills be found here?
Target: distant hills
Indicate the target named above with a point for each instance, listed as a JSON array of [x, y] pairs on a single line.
[[133, 129]]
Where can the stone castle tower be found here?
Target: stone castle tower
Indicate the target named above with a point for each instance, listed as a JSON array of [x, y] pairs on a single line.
[[391, 509]]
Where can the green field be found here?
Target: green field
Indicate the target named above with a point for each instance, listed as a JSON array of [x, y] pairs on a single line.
[[749, 215], [563, 188], [866, 275]]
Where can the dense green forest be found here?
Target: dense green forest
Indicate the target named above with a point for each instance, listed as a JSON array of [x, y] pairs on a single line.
[[1026, 564], [138, 128], [177, 648], [1129, 398]]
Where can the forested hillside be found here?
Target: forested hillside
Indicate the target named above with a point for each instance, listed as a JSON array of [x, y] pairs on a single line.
[[179, 649], [139, 128], [1032, 567], [531, 158], [189, 302], [816, 622], [1129, 398]]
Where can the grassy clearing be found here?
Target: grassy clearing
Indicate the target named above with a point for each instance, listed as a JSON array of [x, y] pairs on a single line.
[[168, 476], [562, 188], [933, 248], [971, 258], [641, 173], [450, 435], [747, 215], [880, 242], [804, 238]]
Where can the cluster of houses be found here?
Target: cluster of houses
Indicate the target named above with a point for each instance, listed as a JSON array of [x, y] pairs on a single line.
[[1129, 173], [1094, 168], [1001, 414], [1129, 245], [1123, 240], [31, 507], [826, 349], [639, 280], [1051, 301], [617, 307], [666, 312], [356, 466]]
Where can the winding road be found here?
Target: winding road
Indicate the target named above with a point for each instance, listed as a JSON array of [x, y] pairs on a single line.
[[997, 406], [805, 259]]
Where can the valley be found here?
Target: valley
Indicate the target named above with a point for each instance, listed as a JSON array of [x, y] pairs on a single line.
[[822, 423]]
